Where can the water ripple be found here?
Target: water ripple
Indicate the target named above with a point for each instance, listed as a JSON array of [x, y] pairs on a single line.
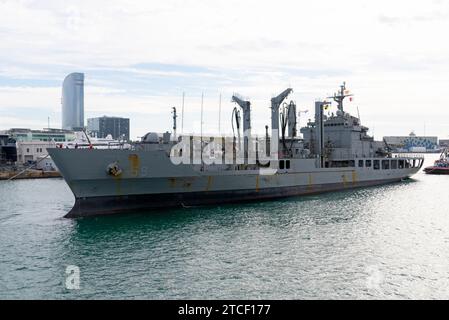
[[373, 243]]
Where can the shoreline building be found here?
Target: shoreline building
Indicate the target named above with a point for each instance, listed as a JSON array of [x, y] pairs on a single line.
[[32, 145], [8, 149], [412, 143], [101, 127], [27, 147], [444, 143], [73, 102]]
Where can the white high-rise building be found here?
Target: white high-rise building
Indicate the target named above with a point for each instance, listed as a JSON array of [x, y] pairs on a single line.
[[73, 102]]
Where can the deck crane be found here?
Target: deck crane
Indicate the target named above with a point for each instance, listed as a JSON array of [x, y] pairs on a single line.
[[246, 108], [275, 104]]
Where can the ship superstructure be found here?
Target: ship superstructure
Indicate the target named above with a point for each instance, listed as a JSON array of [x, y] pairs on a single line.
[[161, 171]]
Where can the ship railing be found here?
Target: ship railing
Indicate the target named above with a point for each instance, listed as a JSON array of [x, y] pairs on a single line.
[[349, 155], [104, 145], [408, 155], [118, 145]]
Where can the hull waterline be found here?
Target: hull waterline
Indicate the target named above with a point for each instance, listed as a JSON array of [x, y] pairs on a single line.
[[436, 170], [107, 205]]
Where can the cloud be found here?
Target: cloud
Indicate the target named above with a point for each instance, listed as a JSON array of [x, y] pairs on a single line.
[[16, 122], [416, 13], [139, 56], [389, 20], [37, 97]]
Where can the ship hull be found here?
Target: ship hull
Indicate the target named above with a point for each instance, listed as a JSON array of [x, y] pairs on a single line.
[[106, 205], [436, 170], [148, 180]]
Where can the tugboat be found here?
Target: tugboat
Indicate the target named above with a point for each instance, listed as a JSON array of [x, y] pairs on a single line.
[[441, 166]]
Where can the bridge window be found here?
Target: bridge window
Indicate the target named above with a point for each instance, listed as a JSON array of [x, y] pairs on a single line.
[[281, 164], [394, 164], [351, 163], [376, 164], [287, 164], [385, 164], [401, 164], [368, 163], [360, 163]]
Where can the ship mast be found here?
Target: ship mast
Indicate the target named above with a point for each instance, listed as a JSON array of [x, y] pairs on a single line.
[[319, 125], [340, 96], [182, 113], [174, 123]]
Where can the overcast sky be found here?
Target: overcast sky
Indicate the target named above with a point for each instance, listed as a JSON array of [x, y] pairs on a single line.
[[139, 56]]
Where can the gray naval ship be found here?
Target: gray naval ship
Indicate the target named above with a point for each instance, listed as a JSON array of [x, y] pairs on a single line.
[[334, 153]]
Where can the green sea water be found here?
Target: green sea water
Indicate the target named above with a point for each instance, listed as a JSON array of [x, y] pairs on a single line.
[[381, 242]]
